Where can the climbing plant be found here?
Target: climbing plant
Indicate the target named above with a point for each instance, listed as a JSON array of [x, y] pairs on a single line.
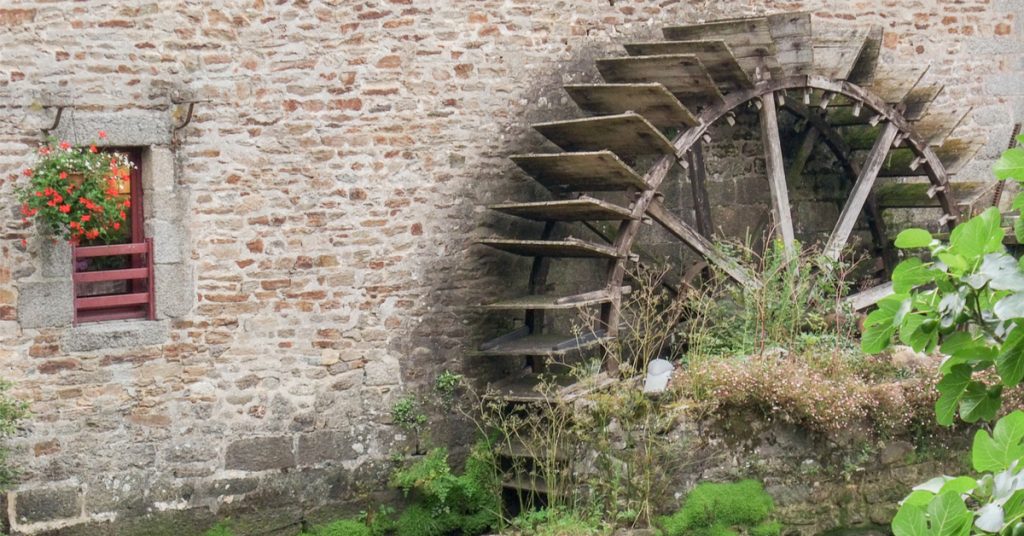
[[966, 298]]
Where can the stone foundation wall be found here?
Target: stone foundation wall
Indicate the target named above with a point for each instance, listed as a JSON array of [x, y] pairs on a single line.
[[820, 485], [314, 222]]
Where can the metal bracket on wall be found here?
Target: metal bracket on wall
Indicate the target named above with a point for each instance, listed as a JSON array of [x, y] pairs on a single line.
[[188, 114], [56, 121]]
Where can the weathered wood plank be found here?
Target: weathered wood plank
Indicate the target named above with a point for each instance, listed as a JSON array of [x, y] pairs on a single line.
[[836, 50], [653, 101], [750, 40], [627, 135], [583, 208], [568, 247], [867, 298], [793, 42], [893, 82], [551, 302], [937, 125], [918, 99], [953, 154], [683, 74], [716, 56], [589, 171], [915, 194], [701, 245], [863, 71], [545, 344], [699, 190], [859, 194], [776, 171]]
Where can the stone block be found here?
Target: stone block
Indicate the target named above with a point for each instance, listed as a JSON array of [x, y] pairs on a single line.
[[121, 492], [175, 290], [55, 258], [124, 334], [47, 504], [157, 173], [260, 454], [228, 486], [45, 303], [169, 239], [168, 206], [325, 446], [123, 129]]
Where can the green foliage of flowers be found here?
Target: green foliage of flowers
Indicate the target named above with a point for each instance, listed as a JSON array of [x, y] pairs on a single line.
[[713, 509], [92, 209]]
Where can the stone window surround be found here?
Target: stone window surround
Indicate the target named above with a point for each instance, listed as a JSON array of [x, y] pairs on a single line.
[[44, 298]]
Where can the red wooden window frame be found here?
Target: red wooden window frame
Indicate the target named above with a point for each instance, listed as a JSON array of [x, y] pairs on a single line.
[[140, 299]]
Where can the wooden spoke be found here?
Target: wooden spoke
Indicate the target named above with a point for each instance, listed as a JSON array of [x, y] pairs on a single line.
[[861, 189], [867, 298], [776, 172], [699, 188], [803, 153], [701, 245]]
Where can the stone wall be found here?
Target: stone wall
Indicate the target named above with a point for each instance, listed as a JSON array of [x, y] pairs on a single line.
[[315, 220], [840, 485]]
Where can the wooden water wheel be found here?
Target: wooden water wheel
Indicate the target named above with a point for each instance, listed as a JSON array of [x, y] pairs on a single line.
[[654, 112]]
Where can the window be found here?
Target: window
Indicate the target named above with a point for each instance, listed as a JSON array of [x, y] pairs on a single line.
[[115, 281]]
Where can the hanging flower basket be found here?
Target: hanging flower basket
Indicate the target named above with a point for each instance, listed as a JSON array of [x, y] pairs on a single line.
[[73, 192]]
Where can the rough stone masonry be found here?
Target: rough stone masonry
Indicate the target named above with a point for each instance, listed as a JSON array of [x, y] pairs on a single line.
[[314, 222]]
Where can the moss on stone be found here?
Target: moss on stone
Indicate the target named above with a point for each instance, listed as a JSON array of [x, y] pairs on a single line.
[[714, 509]]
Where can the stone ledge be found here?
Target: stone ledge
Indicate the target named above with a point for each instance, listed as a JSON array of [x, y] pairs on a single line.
[[115, 334], [124, 129]]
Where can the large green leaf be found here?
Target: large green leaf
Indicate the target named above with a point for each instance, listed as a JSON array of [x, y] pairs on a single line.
[[1009, 307], [979, 402], [1005, 446], [948, 515], [977, 236], [1010, 165], [913, 238], [876, 338], [911, 273], [951, 388], [1010, 363], [1001, 272], [910, 520]]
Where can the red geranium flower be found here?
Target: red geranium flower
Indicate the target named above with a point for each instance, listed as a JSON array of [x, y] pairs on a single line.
[[64, 208], [65, 145], [103, 135]]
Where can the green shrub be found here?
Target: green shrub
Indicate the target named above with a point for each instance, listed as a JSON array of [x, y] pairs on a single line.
[[722, 509], [12, 412], [220, 529], [557, 522], [446, 503], [344, 527]]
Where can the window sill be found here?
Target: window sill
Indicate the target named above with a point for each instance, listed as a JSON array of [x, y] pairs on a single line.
[[115, 334]]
